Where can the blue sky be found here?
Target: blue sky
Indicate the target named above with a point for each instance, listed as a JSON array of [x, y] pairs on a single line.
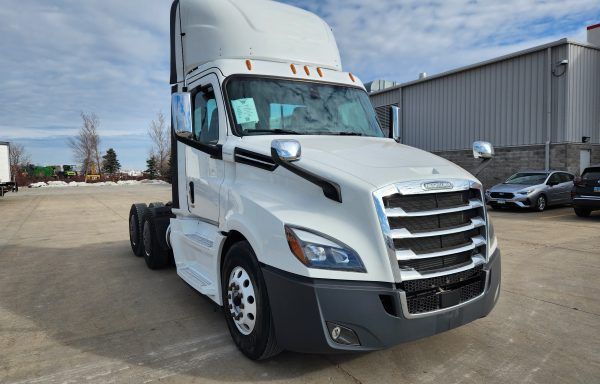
[[110, 57]]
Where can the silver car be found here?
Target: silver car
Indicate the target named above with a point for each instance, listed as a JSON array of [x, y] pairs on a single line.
[[532, 189]]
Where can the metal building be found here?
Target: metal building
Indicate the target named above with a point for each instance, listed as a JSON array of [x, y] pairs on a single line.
[[539, 107]]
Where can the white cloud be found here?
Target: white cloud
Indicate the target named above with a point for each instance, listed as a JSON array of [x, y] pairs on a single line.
[[398, 39]]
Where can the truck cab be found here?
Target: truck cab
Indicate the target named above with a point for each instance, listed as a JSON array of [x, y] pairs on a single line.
[[291, 210]]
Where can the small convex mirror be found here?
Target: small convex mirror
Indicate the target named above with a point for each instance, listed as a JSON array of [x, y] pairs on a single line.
[[286, 149], [483, 150], [181, 110]]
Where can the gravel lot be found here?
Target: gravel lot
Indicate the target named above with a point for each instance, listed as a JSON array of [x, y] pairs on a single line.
[[77, 306]]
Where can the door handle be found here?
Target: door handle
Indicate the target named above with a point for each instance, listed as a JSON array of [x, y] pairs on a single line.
[[192, 192]]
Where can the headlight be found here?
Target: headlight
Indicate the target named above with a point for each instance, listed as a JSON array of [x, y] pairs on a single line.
[[526, 192], [317, 251]]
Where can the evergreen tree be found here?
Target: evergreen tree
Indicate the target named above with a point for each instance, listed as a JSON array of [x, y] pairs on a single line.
[[110, 163], [151, 170]]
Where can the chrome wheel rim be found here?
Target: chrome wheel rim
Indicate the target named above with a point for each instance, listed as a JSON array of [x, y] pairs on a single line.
[[541, 203], [241, 300]]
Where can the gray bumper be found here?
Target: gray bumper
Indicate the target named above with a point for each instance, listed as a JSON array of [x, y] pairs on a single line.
[[301, 307], [517, 201]]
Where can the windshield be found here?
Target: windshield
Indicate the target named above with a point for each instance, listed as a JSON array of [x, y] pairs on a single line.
[[527, 178], [274, 106]]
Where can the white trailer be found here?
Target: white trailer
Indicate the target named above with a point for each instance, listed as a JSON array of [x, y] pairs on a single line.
[[7, 183], [291, 210]]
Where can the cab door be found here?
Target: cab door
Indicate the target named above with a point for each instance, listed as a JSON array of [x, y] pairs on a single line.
[[203, 161]]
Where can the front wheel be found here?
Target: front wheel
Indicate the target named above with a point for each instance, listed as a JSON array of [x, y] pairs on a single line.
[[541, 203], [246, 304]]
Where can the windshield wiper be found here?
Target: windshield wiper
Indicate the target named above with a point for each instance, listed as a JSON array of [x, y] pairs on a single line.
[[336, 133], [277, 131]]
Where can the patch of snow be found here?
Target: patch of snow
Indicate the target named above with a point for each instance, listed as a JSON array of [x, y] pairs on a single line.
[[60, 183]]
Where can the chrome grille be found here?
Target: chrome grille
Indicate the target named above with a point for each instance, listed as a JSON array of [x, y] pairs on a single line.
[[433, 233]]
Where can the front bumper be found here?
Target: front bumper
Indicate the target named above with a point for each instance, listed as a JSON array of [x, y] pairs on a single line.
[[301, 308], [520, 201]]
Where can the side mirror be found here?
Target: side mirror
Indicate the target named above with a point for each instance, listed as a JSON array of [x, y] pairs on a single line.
[[286, 149], [181, 112], [483, 150], [395, 111]]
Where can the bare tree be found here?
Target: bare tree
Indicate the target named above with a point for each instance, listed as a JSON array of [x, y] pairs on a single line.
[[18, 157], [86, 144], [161, 143]]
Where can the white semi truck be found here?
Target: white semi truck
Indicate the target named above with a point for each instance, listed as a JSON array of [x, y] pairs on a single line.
[[7, 182], [291, 210]]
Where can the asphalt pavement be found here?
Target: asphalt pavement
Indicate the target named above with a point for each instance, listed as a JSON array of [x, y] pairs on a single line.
[[76, 306]]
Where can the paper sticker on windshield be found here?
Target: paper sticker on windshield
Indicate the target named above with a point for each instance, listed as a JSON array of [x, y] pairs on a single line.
[[245, 111]]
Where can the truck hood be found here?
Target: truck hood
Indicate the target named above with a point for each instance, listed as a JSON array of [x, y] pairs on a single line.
[[377, 161]]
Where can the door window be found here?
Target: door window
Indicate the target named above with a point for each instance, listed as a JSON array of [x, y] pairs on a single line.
[[554, 179], [206, 117], [566, 177]]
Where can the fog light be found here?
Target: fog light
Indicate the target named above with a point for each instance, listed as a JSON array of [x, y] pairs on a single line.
[[342, 335]]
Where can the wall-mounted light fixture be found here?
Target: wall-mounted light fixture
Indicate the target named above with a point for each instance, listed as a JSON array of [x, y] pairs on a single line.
[[563, 64]]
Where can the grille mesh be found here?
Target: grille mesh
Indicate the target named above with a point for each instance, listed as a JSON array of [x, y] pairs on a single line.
[[505, 195], [430, 201], [421, 245], [433, 263], [414, 286], [416, 224], [430, 301]]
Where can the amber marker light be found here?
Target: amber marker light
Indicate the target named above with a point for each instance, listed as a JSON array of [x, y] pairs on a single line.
[[295, 246], [307, 70], [293, 67], [319, 71], [249, 65], [351, 77]]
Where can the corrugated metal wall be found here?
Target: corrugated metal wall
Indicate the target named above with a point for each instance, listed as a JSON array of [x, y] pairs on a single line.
[[583, 106], [504, 102]]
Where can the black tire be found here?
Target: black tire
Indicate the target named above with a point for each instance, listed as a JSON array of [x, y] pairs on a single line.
[[541, 203], [260, 343], [136, 222], [156, 204], [155, 256], [582, 212]]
